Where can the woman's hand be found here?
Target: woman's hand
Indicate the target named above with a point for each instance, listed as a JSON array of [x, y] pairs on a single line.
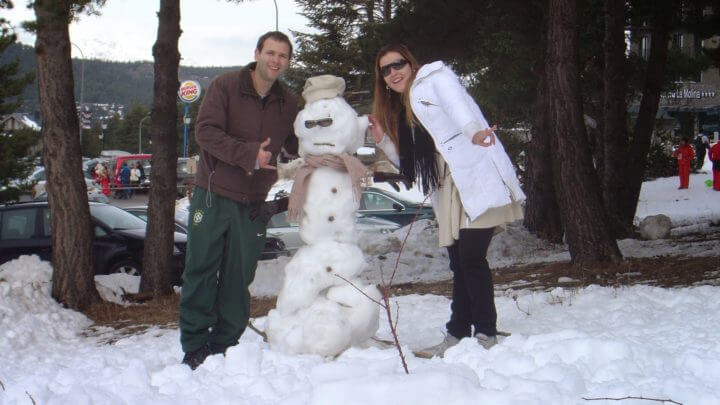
[[377, 132], [486, 137]]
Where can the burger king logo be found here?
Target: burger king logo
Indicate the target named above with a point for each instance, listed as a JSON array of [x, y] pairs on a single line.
[[189, 91]]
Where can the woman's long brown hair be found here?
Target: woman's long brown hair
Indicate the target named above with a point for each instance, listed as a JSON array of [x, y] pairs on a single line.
[[387, 104]]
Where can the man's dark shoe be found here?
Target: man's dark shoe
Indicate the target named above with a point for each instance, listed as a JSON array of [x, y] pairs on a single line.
[[195, 358]]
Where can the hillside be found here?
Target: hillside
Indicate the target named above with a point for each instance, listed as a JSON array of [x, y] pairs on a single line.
[[127, 83]]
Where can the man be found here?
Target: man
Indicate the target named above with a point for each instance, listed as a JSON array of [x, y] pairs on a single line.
[[245, 119]]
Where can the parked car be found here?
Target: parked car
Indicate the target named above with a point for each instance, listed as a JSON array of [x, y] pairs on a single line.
[[142, 213], [184, 173], [94, 195], [386, 205], [118, 237], [274, 247], [279, 227], [115, 165], [39, 178]]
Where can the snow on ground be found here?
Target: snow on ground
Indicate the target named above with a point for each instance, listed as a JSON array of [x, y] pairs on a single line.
[[566, 344]]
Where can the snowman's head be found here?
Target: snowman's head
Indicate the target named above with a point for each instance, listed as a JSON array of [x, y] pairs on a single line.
[[327, 124]]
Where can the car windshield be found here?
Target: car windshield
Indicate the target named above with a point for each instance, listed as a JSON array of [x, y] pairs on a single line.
[[116, 218]]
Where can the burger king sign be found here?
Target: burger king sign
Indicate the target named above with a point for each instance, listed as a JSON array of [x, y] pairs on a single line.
[[189, 91]]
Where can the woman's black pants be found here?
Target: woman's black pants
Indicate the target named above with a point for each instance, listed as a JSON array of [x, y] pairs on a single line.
[[473, 298]]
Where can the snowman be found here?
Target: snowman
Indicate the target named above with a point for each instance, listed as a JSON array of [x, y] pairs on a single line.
[[323, 307]]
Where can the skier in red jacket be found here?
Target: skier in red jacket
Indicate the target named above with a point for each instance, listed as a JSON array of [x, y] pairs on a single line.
[[684, 155], [715, 158]]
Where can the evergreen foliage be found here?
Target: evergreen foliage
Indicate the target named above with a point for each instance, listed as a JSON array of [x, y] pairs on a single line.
[[13, 145]]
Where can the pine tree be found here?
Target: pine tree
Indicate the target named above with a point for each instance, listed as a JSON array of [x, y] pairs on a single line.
[[159, 242], [337, 48], [73, 270], [13, 147]]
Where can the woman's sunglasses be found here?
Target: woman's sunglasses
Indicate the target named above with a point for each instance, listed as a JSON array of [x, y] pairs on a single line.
[[325, 122], [397, 65]]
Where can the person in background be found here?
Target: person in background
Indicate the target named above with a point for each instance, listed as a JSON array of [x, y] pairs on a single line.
[[104, 179], [715, 158], [684, 155], [124, 176], [135, 178], [245, 119], [702, 145], [429, 126]]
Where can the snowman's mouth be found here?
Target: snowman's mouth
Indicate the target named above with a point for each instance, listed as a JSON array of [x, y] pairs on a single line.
[[324, 144]]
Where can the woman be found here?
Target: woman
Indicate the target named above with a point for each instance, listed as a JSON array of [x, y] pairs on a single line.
[[429, 126]]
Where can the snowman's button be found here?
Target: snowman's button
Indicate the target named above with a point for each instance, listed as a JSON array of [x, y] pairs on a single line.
[[331, 218], [334, 190], [328, 269]]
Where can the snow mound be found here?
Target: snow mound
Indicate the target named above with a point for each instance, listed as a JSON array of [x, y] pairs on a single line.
[[28, 314]]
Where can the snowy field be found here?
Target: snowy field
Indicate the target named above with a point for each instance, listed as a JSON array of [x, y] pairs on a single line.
[[566, 344]]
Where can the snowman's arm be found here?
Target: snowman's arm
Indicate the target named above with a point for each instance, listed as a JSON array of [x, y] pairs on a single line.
[[390, 150]]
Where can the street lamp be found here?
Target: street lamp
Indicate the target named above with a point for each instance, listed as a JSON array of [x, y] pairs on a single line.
[[186, 120], [276, 15], [140, 134], [82, 86]]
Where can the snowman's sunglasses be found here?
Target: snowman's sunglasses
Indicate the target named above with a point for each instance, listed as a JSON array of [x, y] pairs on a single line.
[[325, 122]]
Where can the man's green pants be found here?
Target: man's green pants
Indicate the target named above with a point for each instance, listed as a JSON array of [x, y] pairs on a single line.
[[222, 252]]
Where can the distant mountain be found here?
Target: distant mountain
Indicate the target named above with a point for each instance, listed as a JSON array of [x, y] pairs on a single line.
[[127, 83]]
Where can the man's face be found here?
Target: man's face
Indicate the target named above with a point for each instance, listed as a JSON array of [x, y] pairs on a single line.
[[273, 60]]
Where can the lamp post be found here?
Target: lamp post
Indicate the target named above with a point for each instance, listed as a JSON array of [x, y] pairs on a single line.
[[82, 86], [276, 15], [186, 120], [140, 134]]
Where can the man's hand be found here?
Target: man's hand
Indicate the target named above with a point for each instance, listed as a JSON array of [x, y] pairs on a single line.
[[377, 132], [264, 156], [264, 210], [486, 137]]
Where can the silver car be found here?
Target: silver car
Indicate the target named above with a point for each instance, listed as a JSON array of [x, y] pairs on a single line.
[[279, 227]]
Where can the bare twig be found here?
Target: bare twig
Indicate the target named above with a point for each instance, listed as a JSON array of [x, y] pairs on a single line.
[[385, 291], [361, 291], [31, 398], [2, 385], [393, 330], [258, 331], [517, 304], [397, 314], [402, 246], [631, 397]]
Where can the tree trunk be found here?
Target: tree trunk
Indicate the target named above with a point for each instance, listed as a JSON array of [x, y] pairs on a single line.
[[158, 254], [615, 115], [645, 124], [73, 271], [587, 229], [387, 10], [542, 215]]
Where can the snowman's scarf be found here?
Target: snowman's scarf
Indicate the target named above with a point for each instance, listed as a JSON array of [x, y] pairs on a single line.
[[343, 162]]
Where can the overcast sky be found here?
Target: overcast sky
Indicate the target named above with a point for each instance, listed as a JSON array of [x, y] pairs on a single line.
[[215, 32]]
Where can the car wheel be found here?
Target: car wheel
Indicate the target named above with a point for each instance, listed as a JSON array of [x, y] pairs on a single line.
[[128, 266]]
